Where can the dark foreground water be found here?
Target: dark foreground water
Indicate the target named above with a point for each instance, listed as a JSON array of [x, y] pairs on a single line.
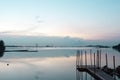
[[48, 64]]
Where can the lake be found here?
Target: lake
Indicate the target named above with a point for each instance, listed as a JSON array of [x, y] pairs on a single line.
[[48, 63]]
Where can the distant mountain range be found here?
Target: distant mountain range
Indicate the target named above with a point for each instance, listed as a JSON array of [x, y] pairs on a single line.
[[54, 41]]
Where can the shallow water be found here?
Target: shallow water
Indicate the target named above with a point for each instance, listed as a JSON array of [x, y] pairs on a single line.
[[48, 63]]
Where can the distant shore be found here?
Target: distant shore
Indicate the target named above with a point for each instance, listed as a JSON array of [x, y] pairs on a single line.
[[97, 46], [21, 51]]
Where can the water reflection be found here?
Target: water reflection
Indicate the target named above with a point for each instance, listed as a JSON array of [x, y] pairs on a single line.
[[83, 76], [1, 53], [117, 50], [47, 64], [47, 68]]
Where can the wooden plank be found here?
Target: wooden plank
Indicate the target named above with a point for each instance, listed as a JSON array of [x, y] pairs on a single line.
[[102, 75], [96, 73]]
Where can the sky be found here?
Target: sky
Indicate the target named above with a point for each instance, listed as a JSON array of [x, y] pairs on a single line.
[[86, 19]]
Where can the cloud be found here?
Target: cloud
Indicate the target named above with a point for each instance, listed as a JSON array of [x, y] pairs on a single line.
[[28, 32], [22, 33]]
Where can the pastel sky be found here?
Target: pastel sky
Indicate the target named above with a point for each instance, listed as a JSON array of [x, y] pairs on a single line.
[[87, 19]]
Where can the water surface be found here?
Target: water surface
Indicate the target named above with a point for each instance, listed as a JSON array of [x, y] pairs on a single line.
[[48, 63]]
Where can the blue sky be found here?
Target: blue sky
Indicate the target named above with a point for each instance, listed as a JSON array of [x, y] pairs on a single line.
[[86, 19]]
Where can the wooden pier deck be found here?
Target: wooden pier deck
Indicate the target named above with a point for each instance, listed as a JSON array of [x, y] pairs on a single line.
[[93, 71], [94, 67]]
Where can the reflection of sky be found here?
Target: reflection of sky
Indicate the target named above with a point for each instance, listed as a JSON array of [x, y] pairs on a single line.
[[56, 68], [47, 64], [44, 52]]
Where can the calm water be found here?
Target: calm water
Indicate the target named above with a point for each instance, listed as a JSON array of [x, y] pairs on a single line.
[[47, 64]]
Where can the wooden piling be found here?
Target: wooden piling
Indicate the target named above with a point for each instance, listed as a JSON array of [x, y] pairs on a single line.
[[114, 66], [100, 58], [97, 59], [94, 62], [106, 60], [81, 61], [91, 56], [78, 57], [85, 59]]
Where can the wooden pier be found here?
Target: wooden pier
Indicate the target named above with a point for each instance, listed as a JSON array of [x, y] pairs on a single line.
[[94, 69], [94, 72]]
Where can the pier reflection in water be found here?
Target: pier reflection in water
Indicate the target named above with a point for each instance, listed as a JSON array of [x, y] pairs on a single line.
[[83, 76]]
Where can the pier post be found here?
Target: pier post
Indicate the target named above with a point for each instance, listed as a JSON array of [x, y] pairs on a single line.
[[114, 66], [85, 59], [91, 56], [94, 62], [81, 61], [100, 59], [77, 59], [97, 59], [106, 60]]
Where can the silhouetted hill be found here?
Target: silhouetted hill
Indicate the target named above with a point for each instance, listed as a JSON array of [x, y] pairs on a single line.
[[117, 47], [98, 46], [2, 48]]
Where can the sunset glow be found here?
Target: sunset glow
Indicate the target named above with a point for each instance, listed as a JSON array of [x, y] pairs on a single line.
[[96, 19]]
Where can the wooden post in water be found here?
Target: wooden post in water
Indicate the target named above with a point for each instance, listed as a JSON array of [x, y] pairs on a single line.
[[106, 60], [85, 59], [78, 57], [76, 60], [114, 66], [81, 58], [100, 59], [94, 62], [91, 56], [97, 59]]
